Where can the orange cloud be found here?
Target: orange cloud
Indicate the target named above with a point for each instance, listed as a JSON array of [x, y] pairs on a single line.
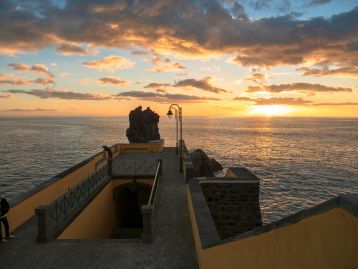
[[307, 88], [34, 69], [163, 97], [154, 85], [348, 71], [110, 63], [112, 80], [258, 78], [72, 49], [60, 94], [12, 79], [165, 65], [289, 101], [202, 84], [191, 28]]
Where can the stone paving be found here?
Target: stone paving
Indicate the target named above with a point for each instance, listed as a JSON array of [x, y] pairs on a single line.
[[173, 246]]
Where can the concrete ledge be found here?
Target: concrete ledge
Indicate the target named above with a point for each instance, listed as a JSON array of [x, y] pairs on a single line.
[[204, 221]]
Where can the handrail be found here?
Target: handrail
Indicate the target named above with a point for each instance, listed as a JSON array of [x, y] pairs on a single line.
[[133, 167], [154, 188], [53, 217]]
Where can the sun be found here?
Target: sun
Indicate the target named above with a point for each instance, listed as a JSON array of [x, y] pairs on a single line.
[[271, 110]]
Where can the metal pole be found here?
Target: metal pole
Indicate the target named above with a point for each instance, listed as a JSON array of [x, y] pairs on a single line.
[[176, 123], [181, 139]]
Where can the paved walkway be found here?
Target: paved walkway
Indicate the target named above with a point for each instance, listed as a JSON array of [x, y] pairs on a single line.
[[173, 246]]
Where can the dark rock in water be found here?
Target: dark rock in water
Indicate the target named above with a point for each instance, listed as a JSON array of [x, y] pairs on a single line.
[[204, 166], [143, 126]]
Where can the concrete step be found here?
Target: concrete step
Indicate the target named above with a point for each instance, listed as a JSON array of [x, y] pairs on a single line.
[[127, 233]]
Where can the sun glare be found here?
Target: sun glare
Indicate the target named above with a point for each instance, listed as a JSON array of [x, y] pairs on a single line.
[[270, 110]]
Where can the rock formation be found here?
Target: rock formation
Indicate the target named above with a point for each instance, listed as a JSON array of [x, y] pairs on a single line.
[[204, 166], [143, 126]]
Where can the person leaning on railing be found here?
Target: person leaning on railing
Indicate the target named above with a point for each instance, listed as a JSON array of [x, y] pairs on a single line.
[[4, 208]]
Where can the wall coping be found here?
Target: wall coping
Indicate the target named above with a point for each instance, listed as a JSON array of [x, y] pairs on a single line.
[[209, 236], [228, 180]]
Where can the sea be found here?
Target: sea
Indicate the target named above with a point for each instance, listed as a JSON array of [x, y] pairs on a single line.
[[301, 162]]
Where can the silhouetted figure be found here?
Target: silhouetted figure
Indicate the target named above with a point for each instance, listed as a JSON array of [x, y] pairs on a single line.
[[143, 126], [4, 208]]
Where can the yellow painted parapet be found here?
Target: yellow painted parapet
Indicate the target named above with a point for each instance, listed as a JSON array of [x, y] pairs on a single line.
[[142, 147], [325, 236], [24, 207]]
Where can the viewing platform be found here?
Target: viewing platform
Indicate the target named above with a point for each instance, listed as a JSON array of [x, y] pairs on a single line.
[[173, 246]]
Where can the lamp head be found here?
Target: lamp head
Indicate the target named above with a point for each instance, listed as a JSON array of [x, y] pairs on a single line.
[[170, 114]]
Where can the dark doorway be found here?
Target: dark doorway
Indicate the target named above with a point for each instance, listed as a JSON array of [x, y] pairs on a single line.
[[129, 200]]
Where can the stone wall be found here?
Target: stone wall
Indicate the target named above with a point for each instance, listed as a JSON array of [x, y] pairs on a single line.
[[234, 207]]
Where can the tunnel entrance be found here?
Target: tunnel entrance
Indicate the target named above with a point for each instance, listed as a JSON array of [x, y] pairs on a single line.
[[129, 199]]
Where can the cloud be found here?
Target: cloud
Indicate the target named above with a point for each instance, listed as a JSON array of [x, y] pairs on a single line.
[[242, 98], [29, 110], [274, 101], [163, 97], [140, 52], [316, 2], [337, 104], [34, 69], [72, 49], [189, 28], [113, 80], [261, 4], [202, 84], [44, 81], [258, 78], [307, 88], [161, 64], [110, 63], [11, 79], [161, 90], [156, 85], [238, 11], [52, 93], [159, 87], [281, 101], [5, 96], [348, 71], [289, 101]]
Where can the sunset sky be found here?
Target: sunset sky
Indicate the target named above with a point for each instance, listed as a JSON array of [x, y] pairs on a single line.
[[215, 58]]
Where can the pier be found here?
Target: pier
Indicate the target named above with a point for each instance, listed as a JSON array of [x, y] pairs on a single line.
[[184, 220]]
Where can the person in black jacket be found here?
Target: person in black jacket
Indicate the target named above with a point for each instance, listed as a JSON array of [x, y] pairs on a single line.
[[4, 208]]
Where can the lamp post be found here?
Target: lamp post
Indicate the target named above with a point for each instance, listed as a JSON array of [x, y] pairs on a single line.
[[170, 114]]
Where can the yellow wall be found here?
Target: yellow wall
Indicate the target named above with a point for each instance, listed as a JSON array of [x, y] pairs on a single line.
[[197, 242], [26, 208], [99, 219], [141, 147], [21, 212], [230, 173], [328, 240]]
